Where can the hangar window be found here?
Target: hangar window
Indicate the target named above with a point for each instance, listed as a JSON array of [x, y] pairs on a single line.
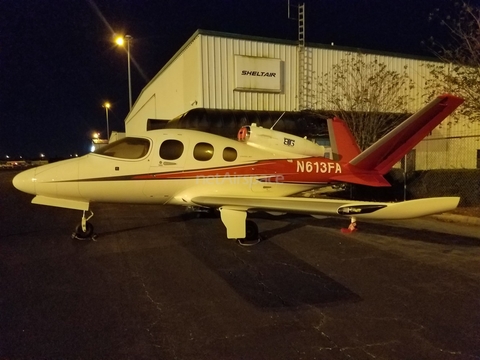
[[126, 148], [171, 149], [229, 154], [203, 151]]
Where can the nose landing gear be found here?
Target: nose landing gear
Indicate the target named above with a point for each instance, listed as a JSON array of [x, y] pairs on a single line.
[[84, 230]]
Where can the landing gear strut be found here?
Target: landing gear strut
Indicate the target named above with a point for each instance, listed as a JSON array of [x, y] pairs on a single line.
[[84, 231], [252, 237]]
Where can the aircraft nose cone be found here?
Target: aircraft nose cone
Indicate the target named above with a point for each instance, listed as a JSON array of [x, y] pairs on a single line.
[[25, 181]]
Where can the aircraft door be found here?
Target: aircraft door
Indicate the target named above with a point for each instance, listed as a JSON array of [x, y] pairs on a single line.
[[167, 161]]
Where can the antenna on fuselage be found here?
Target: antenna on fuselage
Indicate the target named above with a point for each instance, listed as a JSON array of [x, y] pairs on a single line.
[[277, 121]]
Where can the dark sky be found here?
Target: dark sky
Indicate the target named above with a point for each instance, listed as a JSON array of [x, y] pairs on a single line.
[[58, 63]]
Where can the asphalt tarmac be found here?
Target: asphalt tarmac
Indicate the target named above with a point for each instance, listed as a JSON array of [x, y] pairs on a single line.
[[160, 284]]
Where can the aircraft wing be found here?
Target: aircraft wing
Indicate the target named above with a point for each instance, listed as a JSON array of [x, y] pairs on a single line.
[[333, 207], [233, 209]]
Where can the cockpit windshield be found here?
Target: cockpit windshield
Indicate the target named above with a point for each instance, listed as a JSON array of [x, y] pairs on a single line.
[[126, 148]]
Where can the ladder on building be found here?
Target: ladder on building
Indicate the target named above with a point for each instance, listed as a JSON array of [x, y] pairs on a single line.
[[304, 63]]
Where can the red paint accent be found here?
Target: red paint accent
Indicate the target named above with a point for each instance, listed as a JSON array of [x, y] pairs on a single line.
[[316, 170], [346, 144], [353, 175]]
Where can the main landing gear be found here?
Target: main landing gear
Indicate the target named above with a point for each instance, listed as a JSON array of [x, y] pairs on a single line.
[[252, 236], [84, 230], [238, 227]]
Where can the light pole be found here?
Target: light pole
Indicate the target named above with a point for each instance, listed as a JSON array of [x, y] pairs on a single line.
[[121, 41], [107, 106]]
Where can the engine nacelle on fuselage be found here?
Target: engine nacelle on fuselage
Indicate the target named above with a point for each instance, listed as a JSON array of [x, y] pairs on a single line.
[[277, 141]]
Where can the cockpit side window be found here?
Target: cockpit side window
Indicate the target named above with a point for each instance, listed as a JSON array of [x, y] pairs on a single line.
[[203, 151], [126, 148], [171, 149]]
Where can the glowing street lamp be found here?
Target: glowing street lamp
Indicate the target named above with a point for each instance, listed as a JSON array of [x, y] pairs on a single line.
[[107, 106], [120, 41]]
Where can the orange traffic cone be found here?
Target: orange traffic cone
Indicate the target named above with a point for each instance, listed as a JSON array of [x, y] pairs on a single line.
[[351, 228]]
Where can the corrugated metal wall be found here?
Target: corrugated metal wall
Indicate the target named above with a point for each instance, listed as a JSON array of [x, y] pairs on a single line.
[[324, 59], [202, 75], [217, 58]]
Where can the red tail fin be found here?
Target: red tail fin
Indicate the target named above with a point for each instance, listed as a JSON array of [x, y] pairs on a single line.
[[382, 155], [344, 146]]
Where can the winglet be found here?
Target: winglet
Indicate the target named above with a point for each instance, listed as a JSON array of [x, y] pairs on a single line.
[[391, 148]]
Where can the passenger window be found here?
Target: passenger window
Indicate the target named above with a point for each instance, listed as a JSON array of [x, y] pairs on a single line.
[[203, 151], [126, 148], [171, 149], [229, 154]]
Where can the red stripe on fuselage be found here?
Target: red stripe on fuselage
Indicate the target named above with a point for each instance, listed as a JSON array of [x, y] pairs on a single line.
[[305, 170]]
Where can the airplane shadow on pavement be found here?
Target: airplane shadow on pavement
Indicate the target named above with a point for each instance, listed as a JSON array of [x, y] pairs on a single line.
[[266, 275], [269, 276]]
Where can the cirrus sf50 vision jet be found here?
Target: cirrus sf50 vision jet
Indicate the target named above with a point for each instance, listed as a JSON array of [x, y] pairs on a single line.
[[260, 171]]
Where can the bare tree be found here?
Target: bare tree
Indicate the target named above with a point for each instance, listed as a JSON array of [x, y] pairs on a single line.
[[370, 97], [459, 72]]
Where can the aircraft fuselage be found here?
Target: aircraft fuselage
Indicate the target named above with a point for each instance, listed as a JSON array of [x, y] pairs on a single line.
[[170, 166]]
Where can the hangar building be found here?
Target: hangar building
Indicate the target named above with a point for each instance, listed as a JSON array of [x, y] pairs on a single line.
[[228, 71]]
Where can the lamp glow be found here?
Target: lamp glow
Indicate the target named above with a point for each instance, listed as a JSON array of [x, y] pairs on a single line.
[[107, 106], [120, 41]]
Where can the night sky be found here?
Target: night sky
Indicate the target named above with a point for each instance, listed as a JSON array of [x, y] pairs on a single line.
[[58, 62]]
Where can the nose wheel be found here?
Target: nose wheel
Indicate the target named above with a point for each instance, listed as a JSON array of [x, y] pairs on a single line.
[[84, 230]]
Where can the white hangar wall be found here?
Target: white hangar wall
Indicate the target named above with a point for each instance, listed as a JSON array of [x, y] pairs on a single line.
[[203, 74], [171, 92], [206, 72]]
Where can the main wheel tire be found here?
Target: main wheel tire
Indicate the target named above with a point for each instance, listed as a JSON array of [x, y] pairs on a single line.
[[251, 234], [84, 234], [251, 230]]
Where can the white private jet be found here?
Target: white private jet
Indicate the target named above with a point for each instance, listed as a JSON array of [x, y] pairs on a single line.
[[258, 172]]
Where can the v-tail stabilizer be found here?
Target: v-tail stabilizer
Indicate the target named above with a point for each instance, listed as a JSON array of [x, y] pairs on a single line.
[[369, 166]]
